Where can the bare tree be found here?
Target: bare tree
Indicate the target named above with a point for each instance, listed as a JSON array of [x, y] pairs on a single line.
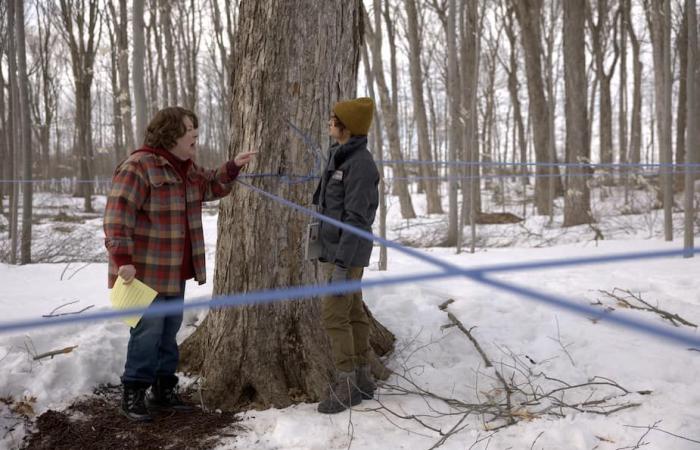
[[635, 147], [26, 136], [166, 24], [138, 63], [681, 123], [455, 129], [693, 130], [659, 17], [427, 171], [120, 23], [43, 88], [80, 20], [274, 354], [378, 150], [389, 115], [188, 41], [119, 150], [528, 14], [601, 28], [13, 141], [577, 200]]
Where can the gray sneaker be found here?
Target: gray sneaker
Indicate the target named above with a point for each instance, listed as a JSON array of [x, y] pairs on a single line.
[[341, 395], [365, 381]]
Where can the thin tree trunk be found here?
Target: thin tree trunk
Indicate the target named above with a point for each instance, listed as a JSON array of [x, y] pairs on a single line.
[[455, 125], [378, 151], [389, 116], [622, 97], [138, 63], [275, 354], [528, 14], [661, 40], [427, 170], [167, 28], [681, 124], [577, 200], [693, 130], [635, 147], [26, 133], [13, 141]]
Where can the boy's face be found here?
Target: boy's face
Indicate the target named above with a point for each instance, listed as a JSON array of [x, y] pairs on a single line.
[[337, 133], [186, 145]]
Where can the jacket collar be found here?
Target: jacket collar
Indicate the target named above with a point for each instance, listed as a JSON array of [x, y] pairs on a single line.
[[339, 153]]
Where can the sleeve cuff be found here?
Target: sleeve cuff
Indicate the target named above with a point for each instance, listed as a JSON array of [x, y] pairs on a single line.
[[122, 260], [232, 170]]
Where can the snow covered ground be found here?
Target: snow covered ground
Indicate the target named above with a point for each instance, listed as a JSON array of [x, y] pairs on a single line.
[[513, 331]]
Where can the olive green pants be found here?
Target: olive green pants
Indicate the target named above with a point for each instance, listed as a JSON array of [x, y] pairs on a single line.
[[345, 320]]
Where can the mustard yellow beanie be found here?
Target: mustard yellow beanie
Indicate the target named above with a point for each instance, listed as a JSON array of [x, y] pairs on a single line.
[[355, 114]]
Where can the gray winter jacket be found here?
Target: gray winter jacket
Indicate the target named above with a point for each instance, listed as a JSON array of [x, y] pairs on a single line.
[[348, 192]]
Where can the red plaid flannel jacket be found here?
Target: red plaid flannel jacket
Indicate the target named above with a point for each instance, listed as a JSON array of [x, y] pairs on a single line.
[[145, 218]]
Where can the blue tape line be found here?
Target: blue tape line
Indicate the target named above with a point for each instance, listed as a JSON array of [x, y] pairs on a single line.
[[250, 298], [667, 333], [542, 164]]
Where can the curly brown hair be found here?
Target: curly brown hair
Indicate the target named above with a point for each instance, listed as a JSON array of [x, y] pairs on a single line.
[[167, 126]]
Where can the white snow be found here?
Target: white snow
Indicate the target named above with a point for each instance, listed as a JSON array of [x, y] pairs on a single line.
[[443, 361]]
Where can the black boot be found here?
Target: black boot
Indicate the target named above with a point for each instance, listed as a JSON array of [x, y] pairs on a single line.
[[365, 381], [341, 395], [133, 405], [164, 395]]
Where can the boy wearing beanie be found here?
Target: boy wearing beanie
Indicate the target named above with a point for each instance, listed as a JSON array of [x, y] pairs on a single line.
[[347, 192]]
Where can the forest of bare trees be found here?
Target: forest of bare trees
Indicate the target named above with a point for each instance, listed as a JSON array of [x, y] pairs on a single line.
[[555, 96]]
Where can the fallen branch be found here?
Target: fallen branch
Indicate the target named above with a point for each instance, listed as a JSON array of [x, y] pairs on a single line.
[[51, 314], [485, 358], [675, 319], [53, 353]]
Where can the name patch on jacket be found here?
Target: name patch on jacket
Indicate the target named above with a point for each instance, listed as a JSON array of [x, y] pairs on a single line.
[[338, 175]]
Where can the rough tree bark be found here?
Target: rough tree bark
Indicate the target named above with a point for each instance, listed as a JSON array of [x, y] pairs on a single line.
[[276, 354], [455, 128], [577, 199]]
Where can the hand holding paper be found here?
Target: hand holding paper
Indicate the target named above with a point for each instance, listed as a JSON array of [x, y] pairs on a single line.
[[134, 295]]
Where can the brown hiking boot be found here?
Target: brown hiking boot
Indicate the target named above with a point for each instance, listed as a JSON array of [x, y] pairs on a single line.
[[341, 395], [365, 381]]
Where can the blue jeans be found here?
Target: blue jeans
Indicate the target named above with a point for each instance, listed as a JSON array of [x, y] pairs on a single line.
[[152, 350]]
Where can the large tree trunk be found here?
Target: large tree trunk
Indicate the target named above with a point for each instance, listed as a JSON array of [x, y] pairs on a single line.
[[528, 14], [26, 130], [427, 171], [577, 200], [275, 354]]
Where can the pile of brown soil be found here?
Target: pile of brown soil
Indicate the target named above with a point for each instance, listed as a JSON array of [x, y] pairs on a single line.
[[94, 422]]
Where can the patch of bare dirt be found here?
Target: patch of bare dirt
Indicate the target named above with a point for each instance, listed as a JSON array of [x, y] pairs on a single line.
[[94, 422]]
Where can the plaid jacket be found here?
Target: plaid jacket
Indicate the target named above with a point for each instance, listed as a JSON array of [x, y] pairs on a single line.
[[145, 218]]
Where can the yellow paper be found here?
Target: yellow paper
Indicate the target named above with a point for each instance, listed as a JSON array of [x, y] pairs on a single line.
[[132, 295]]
